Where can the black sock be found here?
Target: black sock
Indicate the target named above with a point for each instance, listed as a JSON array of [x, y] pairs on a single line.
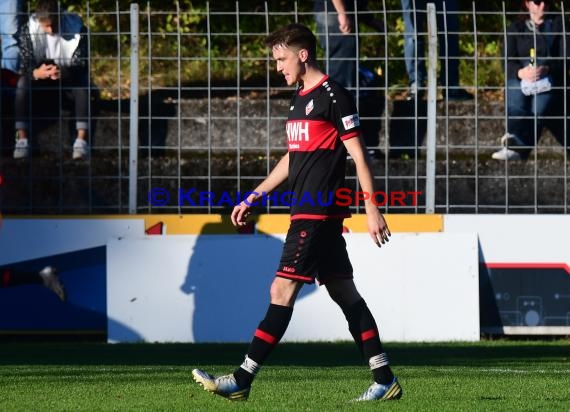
[[269, 332], [365, 333]]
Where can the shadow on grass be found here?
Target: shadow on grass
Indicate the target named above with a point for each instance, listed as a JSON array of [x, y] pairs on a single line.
[[486, 353]]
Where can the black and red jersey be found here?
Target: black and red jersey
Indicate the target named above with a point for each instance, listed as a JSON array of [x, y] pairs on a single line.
[[319, 120]]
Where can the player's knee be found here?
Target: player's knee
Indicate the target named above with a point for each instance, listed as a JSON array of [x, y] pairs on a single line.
[[283, 292], [343, 293]]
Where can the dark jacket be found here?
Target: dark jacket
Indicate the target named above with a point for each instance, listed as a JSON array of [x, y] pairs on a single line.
[[73, 59], [546, 41]]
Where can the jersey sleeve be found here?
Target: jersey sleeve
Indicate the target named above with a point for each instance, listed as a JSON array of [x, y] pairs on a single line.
[[345, 114]]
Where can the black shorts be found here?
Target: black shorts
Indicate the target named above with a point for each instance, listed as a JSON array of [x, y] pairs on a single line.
[[315, 249]]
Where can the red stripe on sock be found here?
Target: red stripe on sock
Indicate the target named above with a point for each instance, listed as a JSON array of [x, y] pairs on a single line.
[[6, 277], [272, 340], [369, 334]]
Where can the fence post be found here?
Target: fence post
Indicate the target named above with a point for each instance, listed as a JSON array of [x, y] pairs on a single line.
[[431, 108], [134, 110]]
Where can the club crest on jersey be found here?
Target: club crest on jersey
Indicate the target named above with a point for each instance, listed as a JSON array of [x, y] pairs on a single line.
[[309, 107], [350, 122]]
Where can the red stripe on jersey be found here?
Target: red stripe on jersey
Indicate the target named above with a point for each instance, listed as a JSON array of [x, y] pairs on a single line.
[[272, 340], [296, 277], [349, 136], [310, 135], [320, 217], [368, 334]]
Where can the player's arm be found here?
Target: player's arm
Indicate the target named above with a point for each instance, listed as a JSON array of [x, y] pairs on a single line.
[[277, 176], [377, 227]]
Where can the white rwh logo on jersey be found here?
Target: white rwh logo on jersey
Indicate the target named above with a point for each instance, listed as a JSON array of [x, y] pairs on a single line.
[[309, 107], [350, 122], [297, 131]]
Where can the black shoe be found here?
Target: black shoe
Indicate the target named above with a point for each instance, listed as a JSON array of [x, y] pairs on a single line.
[[459, 94], [372, 154], [375, 153]]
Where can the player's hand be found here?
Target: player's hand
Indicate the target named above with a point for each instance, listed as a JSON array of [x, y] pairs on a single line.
[[240, 214], [378, 228]]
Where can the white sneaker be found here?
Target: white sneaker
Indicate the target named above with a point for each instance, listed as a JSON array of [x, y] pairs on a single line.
[[52, 282], [506, 154], [21, 148], [510, 140], [413, 93], [80, 149], [378, 392], [225, 386]]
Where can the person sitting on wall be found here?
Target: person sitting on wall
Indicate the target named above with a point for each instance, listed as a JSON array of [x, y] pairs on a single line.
[[535, 76], [53, 55]]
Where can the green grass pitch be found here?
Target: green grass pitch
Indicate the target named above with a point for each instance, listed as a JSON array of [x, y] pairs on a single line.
[[485, 376]]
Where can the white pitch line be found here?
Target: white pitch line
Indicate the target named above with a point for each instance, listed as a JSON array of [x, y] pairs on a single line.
[[503, 370]]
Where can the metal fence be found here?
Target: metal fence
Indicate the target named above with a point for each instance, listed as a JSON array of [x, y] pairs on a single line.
[[166, 140]]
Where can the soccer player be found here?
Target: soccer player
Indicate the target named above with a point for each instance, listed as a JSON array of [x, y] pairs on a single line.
[[322, 126]]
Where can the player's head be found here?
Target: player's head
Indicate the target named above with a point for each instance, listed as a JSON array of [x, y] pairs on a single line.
[[47, 13], [293, 47], [294, 36]]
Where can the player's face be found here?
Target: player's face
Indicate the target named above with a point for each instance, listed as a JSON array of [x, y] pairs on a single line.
[[289, 64]]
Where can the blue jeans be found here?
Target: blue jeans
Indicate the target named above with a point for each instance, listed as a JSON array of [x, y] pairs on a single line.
[[10, 15], [74, 89], [415, 27], [522, 111], [340, 49]]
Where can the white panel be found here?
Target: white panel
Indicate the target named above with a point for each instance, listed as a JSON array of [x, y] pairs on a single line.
[[420, 287], [144, 297], [516, 238], [25, 239], [209, 288]]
